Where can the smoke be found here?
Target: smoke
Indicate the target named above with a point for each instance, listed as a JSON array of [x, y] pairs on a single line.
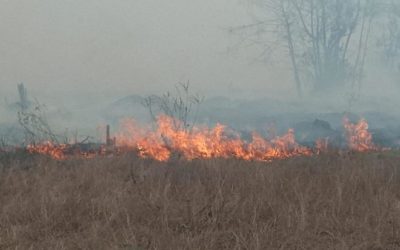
[[99, 48], [90, 62]]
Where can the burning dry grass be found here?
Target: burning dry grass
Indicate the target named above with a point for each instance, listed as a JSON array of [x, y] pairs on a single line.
[[332, 201], [202, 142]]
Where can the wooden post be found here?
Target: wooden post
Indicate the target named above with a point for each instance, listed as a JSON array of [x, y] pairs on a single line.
[[108, 140]]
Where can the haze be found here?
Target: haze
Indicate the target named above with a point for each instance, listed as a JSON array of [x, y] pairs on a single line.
[[74, 54], [99, 48]]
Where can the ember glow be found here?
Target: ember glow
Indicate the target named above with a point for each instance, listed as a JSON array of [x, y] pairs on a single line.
[[358, 137], [166, 141]]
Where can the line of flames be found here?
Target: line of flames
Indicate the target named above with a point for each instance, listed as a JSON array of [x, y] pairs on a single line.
[[56, 151], [216, 142], [60, 151], [358, 137]]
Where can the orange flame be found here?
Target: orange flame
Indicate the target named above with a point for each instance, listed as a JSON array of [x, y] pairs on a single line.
[[203, 142], [322, 145], [63, 151], [48, 148], [358, 137]]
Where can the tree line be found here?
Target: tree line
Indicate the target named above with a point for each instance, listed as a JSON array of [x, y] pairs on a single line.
[[326, 41]]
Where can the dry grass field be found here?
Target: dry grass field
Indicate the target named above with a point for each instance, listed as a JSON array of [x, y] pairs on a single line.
[[333, 201]]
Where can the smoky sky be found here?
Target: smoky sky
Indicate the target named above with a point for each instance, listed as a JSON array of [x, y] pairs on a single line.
[[108, 48]]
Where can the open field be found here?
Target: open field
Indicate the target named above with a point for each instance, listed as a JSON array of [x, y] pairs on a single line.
[[333, 201]]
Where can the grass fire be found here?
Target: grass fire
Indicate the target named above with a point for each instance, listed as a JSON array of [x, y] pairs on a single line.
[[172, 184], [205, 143], [202, 124], [180, 181]]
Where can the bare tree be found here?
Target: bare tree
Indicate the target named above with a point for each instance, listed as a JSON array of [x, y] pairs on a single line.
[[181, 105], [326, 40], [35, 125], [32, 119]]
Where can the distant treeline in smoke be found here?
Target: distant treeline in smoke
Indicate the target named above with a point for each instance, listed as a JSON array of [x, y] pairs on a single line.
[[327, 43]]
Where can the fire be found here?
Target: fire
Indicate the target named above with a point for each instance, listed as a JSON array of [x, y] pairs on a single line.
[[64, 151], [55, 151], [204, 142], [358, 137], [168, 139], [322, 145]]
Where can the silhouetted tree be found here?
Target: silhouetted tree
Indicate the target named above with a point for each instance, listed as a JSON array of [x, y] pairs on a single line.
[[325, 40], [35, 125], [182, 105]]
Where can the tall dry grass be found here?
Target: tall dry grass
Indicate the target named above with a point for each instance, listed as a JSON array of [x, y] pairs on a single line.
[[333, 201]]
